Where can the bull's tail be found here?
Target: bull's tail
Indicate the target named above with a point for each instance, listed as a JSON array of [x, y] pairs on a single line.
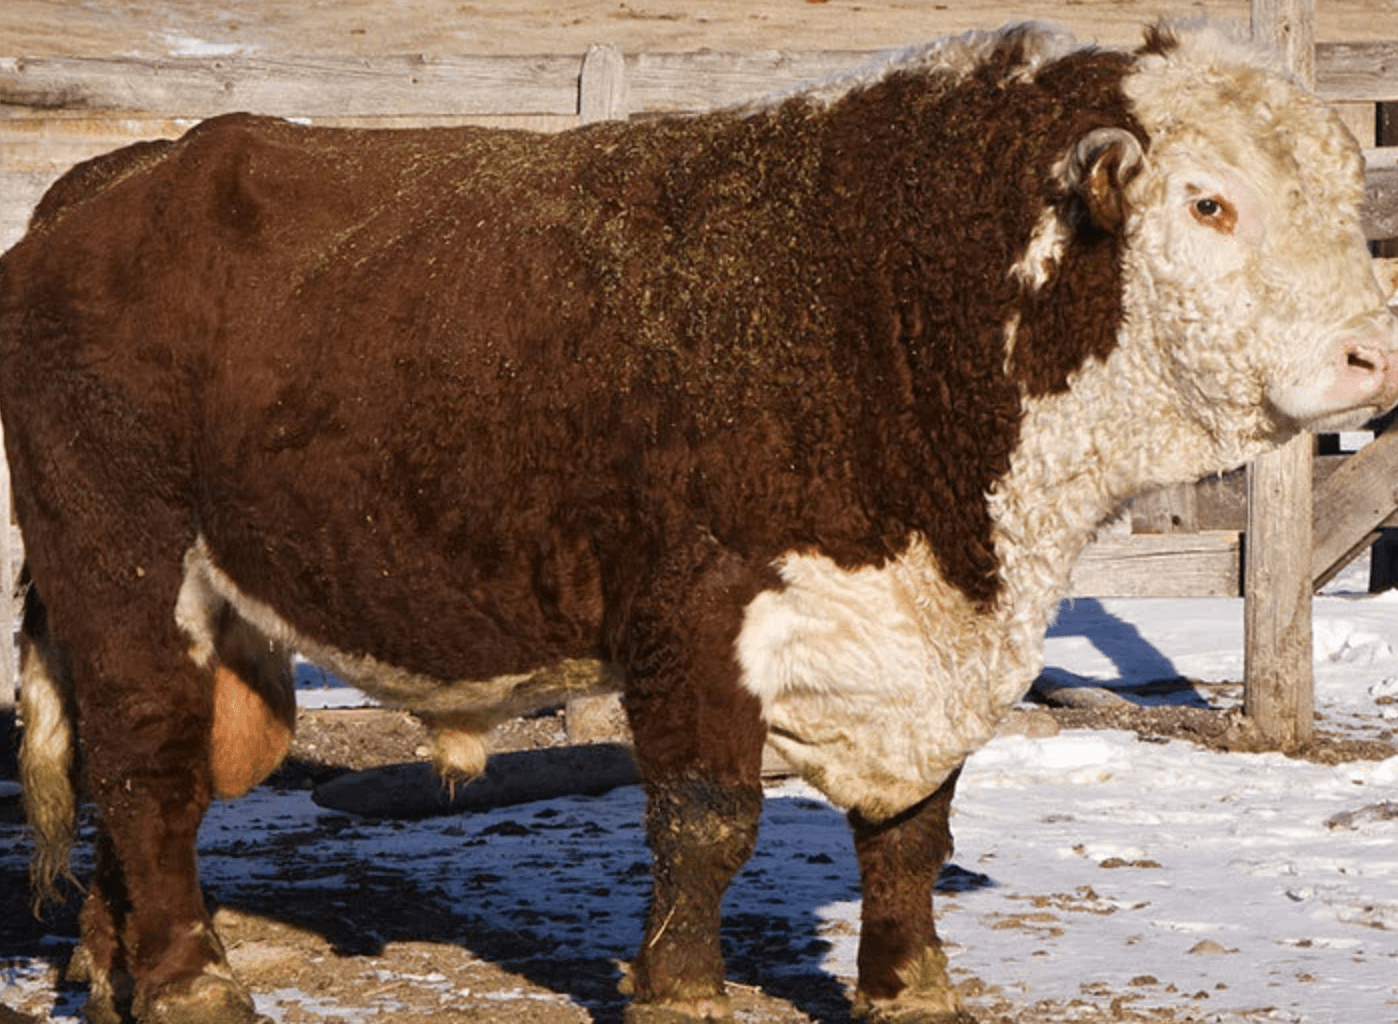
[[47, 751]]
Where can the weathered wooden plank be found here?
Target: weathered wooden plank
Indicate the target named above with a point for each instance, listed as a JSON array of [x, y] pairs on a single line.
[[1352, 503], [410, 86], [419, 85], [1288, 28], [682, 82], [1381, 193], [1206, 564], [1357, 71], [1166, 510], [309, 87], [1221, 502]]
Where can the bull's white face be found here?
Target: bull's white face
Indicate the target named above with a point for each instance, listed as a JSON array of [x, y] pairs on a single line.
[[1246, 261]]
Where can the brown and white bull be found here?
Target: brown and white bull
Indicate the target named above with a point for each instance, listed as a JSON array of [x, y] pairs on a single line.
[[796, 416]]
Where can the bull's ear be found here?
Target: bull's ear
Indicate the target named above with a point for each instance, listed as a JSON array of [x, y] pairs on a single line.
[[1101, 165]]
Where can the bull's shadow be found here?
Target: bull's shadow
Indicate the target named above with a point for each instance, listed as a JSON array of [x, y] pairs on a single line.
[[1145, 674], [553, 891]]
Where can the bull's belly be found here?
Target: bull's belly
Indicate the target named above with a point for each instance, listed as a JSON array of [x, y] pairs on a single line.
[[256, 641], [877, 684]]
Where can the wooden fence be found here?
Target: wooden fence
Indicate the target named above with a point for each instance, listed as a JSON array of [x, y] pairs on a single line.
[[56, 111]]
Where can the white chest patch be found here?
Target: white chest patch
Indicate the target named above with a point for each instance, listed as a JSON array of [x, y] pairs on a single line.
[[876, 684]]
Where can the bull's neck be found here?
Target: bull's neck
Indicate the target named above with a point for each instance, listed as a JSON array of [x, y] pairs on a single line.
[[1111, 435]]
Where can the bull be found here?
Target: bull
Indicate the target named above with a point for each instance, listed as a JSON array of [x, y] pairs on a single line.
[[794, 416]]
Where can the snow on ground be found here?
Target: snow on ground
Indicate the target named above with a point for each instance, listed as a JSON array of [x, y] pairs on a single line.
[[1174, 870], [1092, 865]]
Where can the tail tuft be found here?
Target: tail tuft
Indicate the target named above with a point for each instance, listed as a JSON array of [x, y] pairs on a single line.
[[46, 753]]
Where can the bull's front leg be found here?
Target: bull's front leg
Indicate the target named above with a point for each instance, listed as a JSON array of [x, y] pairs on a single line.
[[699, 738], [902, 969], [701, 831]]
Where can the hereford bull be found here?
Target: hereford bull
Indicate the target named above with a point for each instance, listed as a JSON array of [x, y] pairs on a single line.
[[796, 416]]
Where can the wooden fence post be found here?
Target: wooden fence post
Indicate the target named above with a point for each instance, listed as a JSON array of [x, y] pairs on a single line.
[[1279, 695], [602, 85], [601, 97]]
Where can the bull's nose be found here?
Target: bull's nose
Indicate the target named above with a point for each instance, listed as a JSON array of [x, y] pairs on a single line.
[[1371, 365], [1363, 360]]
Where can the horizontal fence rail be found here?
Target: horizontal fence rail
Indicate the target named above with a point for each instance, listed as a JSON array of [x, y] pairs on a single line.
[[409, 87], [434, 86]]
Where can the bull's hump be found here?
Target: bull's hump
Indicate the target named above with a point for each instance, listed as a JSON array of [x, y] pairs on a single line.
[[968, 188]]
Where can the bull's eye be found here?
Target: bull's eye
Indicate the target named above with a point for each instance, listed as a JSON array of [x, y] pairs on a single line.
[[1215, 212]]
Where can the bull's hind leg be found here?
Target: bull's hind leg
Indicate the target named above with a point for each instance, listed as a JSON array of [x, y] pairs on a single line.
[[902, 969], [699, 740], [145, 713], [254, 708]]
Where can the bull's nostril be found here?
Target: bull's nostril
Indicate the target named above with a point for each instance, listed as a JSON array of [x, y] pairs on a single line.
[[1360, 362]]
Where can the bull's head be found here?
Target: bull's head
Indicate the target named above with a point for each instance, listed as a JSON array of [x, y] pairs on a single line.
[[1250, 293]]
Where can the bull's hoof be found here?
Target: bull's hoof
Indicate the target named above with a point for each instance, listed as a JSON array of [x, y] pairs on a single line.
[[693, 1010], [208, 998], [107, 990], [717, 1009], [928, 996], [935, 1007]]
